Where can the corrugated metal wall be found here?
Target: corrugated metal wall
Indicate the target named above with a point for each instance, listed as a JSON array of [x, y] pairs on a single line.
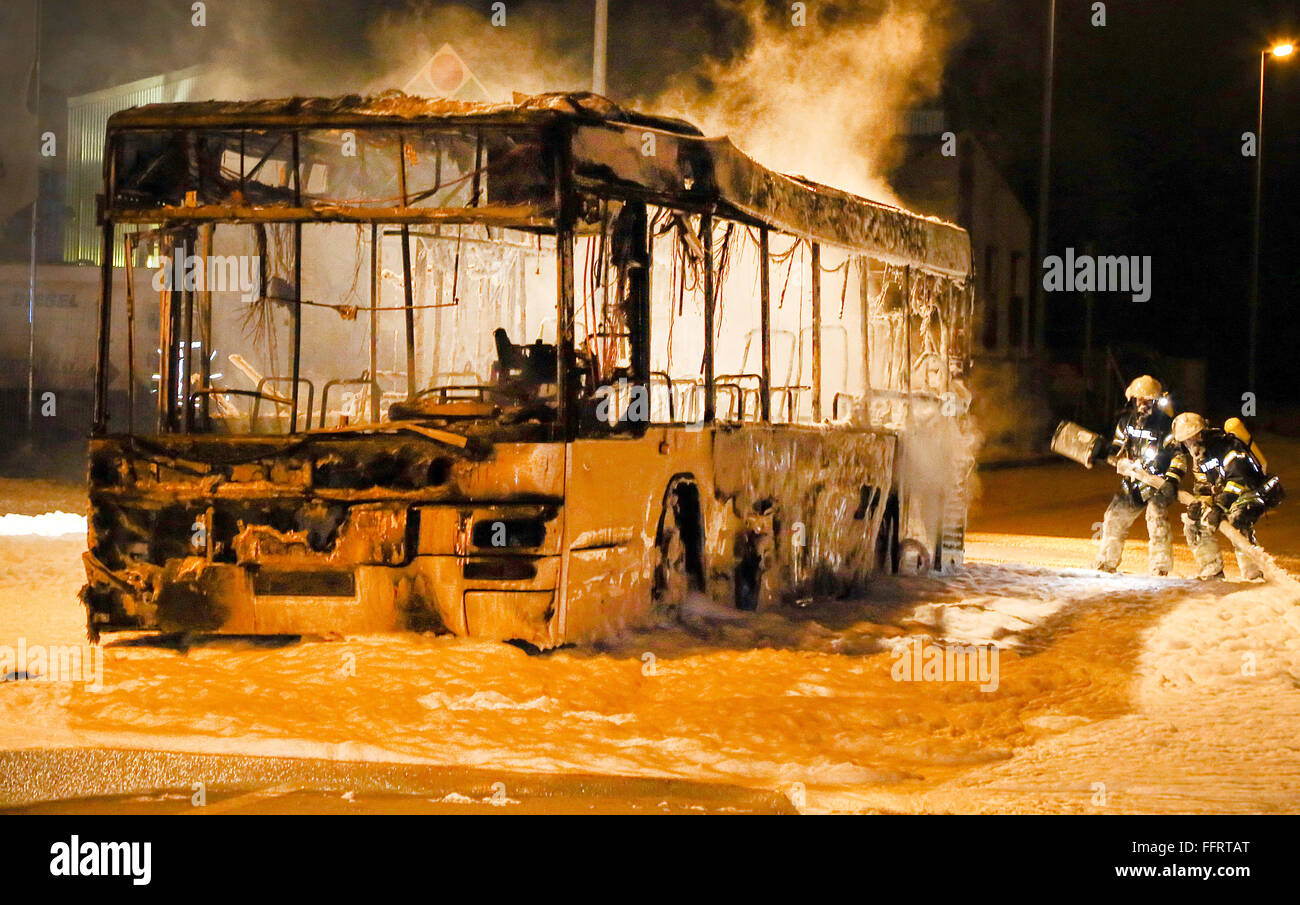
[[87, 119]]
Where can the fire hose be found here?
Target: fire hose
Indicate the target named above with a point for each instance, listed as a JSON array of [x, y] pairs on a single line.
[[1127, 468]]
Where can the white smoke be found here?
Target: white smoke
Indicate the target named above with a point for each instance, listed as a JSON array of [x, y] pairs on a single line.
[[825, 98]]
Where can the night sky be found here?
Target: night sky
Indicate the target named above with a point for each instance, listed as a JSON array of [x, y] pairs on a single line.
[[1147, 148], [1147, 160]]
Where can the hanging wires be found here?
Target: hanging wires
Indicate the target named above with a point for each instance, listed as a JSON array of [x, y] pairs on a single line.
[[844, 290]]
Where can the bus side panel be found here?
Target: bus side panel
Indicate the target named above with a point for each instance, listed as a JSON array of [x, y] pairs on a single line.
[[935, 476], [809, 502], [804, 504], [614, 498]]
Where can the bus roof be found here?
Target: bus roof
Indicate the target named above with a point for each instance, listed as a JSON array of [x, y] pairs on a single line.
[[387, 109], [609, 151]]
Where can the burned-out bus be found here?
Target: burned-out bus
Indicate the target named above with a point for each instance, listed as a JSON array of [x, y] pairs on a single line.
[[532, 372]]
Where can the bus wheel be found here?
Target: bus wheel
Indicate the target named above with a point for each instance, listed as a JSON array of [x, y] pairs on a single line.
[[914, 557], [888, 551], [679, 563]]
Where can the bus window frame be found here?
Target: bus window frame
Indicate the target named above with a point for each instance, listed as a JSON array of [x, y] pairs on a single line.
[[181, 224], [560, 219]]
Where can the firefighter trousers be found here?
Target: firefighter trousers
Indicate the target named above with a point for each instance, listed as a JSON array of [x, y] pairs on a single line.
[[1120, 516], [1205, 544]]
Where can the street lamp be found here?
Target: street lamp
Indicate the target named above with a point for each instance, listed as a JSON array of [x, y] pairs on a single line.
[[600, 33], [1280, 51], [1039, 301]]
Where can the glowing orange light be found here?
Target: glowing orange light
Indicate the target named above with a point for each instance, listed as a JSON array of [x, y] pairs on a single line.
[[1283, 50], [447, 73]]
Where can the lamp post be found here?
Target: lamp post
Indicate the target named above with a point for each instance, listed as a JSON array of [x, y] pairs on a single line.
[[600, 33], [1038, 298], [1280, 51], [31, 272]]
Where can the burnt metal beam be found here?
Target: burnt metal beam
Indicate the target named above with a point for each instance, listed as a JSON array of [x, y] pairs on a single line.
[[710, 392], [187, 350], [864, 303], [297, 292], [518, 216], [205, 328], [408, 309], [170, 324], [816, 332], [638, 279], [566, 205], [478, 170], [297, 326], [100, 423], [374, 324], [130, 334], [408, 290], [765, 316], [907, 331]]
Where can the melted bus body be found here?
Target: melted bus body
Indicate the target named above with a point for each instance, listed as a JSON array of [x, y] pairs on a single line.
[[531, 372]]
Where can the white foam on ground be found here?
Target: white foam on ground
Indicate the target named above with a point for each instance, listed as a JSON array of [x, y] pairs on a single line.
[[49, 524], [769, 699], [1241, 640], [986, 620]]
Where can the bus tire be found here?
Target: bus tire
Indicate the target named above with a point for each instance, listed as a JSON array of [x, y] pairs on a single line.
[[919, 561], [679, 546]]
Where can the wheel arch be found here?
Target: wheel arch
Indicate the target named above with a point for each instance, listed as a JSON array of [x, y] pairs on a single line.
[[682, 501]]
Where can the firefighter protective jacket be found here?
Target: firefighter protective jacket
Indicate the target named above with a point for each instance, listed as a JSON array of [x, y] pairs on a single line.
[[1225, 469], [1148, 440]]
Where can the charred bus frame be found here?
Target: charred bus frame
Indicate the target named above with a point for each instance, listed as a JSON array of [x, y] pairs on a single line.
[[288, 548]]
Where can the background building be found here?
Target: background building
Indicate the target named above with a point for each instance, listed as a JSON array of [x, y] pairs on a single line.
[[87, 119], [964, 186]]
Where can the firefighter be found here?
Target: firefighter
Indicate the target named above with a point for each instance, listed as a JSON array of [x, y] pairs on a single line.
[[1143, 437], [1229, 484]]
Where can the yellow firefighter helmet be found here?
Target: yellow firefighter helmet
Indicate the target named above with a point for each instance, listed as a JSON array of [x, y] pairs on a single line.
[[1187, 425], [1144, 387]]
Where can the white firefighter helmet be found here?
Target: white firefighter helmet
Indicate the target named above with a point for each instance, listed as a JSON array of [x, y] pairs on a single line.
[[1144, 387], [1187, 425]]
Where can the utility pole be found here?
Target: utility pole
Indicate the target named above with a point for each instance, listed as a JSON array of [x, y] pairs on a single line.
[[1280, 51], [31, 271], [601, 32], [1252, 369], [1044, 181]]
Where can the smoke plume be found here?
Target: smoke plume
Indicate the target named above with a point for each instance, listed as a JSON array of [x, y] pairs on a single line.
[[823, 99], [818, 89]]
